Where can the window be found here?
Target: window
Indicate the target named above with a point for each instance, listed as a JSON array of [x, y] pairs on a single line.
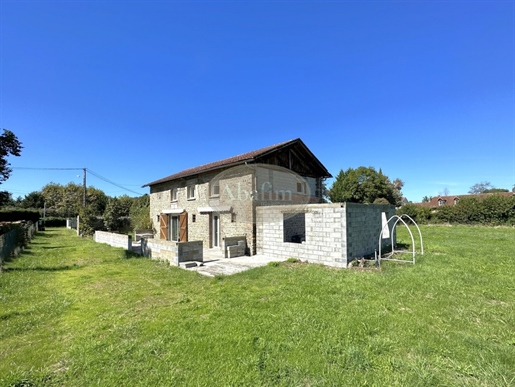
[[174, 194], [174, 228], [294, 227], [215, 188], [301, 187], [456, 201], [193, 218], [441, 202], [191, 192], [233, 217]]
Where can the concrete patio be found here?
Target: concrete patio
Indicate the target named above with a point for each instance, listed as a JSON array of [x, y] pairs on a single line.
[[214, 263]]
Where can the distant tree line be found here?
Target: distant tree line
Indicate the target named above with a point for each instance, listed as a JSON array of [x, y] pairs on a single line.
[[66, 201]]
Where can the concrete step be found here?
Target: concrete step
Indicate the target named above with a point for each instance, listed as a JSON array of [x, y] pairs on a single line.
[[189, 264]]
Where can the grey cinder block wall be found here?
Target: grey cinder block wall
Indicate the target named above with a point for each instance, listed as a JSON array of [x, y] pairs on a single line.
[[334, 234]]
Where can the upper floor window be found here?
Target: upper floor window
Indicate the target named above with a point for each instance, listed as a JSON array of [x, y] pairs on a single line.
[[301, 187], [441, 202], [191, 192], [174, 194], [215, 188], [456, 201]]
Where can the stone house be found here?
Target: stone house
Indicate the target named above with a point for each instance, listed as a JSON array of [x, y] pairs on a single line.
[[216, 203]]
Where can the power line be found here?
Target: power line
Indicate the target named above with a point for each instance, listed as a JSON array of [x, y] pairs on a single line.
[[81, 169], [111, 182], [49, 169]]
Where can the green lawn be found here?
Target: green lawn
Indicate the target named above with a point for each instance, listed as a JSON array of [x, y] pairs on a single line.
[[76, 313]]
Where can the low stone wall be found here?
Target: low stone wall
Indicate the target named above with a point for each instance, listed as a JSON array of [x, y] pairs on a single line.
[[115, 240], [173, 252]]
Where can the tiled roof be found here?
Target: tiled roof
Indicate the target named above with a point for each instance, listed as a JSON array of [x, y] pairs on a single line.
[[235, 160]]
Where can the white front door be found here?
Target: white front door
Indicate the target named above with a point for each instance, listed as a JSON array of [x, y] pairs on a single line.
[[215, 229]]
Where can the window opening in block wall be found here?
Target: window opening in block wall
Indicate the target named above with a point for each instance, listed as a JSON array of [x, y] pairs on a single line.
[[174, 194], [294, 227]]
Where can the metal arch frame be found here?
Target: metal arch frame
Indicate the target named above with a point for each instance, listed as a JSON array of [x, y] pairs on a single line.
[[418, 229], [399, 218]]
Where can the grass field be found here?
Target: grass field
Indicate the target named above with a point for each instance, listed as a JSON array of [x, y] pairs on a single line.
[[76, 313]]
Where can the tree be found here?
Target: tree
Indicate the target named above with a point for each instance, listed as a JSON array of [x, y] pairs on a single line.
[[34, 199], [6, 199], [112, 215], [426, 199], [140, 213], [96, 199], [67, 200], [9, 145], [365, 185], [125, 204], [480, 188]]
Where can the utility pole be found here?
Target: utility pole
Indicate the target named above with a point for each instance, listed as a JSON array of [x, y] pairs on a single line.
[[84, 188]]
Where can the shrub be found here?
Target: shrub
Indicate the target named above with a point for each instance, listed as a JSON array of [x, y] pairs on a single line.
[[87, 221], [417, 213]]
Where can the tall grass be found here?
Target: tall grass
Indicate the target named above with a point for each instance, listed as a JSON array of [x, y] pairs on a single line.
[[77, 313]]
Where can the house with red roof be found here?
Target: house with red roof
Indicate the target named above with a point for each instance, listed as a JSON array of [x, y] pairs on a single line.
[[452, 200]]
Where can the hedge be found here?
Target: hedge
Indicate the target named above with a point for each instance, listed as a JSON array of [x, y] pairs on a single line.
[[54, 221], [19, 214], [492, 210]]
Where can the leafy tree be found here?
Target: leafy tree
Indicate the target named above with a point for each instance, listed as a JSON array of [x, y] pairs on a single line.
[[67, 200], [34, 199], [365, 185], [125, 204], [426, 199], [96, 199], [6, 199], [9, 144], [481, 187], [140, 213], [113, 213]]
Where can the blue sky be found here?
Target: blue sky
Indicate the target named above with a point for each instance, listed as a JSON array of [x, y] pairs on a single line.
[[136, 91]]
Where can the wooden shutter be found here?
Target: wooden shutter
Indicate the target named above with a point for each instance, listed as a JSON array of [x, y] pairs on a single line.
[[163, 225], [183, 227]]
